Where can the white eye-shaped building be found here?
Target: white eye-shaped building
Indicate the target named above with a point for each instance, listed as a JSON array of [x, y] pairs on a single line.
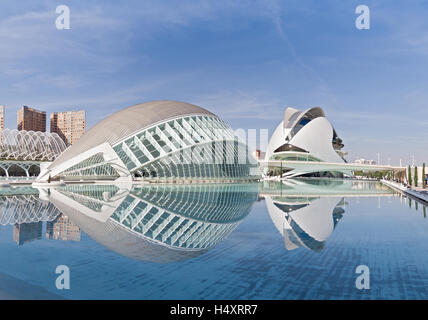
[[162, 141], [305, 136]]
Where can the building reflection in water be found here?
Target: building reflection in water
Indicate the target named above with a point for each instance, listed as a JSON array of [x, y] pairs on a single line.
[[24, 205], [27, 232], [306, 211], [26, 209], [159, 223], [62, 228], [305, 221], [164, 223]]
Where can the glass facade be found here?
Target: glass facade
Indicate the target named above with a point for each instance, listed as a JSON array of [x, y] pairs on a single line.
[[188, 147], [293, 156], [214, 212], [94, 167], [92, 197]]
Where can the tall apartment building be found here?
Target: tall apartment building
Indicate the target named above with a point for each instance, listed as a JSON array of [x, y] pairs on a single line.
[[31, 119], [1, 117], [69, 125]]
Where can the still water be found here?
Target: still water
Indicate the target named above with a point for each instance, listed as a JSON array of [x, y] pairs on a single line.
[[299, 239]]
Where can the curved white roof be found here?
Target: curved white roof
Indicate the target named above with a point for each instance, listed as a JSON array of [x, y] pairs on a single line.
[[128, 121], [292, 116]]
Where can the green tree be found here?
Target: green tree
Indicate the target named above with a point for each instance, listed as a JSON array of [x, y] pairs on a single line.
[[415, 176], [423, 176], [409, 176]]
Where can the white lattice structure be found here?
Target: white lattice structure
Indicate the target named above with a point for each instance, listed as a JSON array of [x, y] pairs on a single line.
[[24, 206], [30, 145], [21, 151]]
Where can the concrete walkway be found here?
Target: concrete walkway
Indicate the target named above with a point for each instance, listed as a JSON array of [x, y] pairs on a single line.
[[416, 192]]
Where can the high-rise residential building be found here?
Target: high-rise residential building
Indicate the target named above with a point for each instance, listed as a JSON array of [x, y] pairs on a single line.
[[69, 125], [62, 229], [31, 119], [1, 117]]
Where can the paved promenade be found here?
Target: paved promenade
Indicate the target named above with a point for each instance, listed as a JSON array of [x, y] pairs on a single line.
[[416, 192]]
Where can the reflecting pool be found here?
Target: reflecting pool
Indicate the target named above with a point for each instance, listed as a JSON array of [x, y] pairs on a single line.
[[296, 239]]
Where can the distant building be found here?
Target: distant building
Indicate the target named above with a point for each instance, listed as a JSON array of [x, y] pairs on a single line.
[[69, 125], [31, 119], [27, 232], [365, 161], [258, 155], [62, 229], [1, 117]]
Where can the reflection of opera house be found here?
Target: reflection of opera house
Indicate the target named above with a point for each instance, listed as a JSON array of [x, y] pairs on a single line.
[[307, 211], [305, 137], [161, 141], [159, 223], [305, 221]]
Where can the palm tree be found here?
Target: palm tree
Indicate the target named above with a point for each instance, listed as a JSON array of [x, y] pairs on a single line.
[[423, 176]]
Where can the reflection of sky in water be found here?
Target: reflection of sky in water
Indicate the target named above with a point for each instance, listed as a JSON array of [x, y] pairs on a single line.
[[248, 261]]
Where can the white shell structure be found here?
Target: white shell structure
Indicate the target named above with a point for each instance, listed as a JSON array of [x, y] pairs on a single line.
[[159, 140], [305, 136], [24, 145]]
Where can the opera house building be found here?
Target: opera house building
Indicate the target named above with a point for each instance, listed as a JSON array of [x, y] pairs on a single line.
[[304, 137], [159, 141]]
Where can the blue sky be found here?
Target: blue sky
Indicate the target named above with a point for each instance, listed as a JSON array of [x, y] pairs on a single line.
[[243, 60]]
